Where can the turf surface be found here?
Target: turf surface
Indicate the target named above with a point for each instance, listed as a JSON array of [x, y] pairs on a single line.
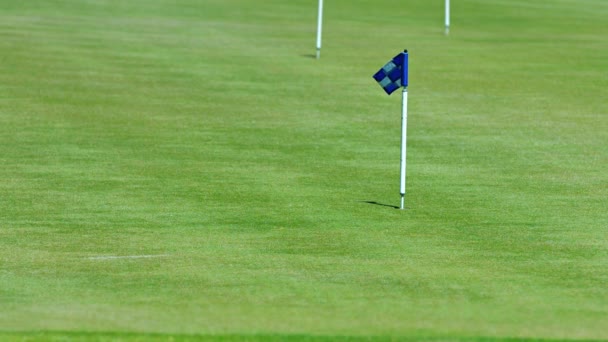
[[187, 170]]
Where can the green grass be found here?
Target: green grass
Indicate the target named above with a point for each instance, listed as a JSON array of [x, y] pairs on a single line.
[[203, 134], [103, 337]]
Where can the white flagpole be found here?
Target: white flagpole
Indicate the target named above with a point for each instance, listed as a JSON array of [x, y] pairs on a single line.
[[403, 144], [447, 17], [319, 25]]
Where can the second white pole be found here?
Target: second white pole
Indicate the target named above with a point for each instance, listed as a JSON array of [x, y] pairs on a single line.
[[447, 17], [319, 28]]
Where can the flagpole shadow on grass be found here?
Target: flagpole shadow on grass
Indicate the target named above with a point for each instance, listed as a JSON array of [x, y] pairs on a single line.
[[382, 204]]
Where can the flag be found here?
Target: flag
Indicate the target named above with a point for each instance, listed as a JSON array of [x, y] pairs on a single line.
[[394, 74]]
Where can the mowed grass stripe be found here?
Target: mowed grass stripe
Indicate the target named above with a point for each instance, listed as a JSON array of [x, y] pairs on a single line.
[[252, 338]]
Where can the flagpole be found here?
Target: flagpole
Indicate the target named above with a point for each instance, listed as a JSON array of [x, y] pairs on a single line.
[[403, 144], [319, 26], [447, 17], [392, 76]]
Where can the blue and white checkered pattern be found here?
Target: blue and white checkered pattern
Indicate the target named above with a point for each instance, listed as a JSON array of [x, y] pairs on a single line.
[[394, 74]]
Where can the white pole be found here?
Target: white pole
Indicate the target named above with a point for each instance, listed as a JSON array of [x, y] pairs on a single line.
[[447, 17], [403, 144], [319, 25]]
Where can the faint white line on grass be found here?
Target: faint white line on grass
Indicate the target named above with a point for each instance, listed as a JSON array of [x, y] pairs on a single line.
[[111, 257]]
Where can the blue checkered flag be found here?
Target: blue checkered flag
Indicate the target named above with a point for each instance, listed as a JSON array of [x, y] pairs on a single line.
[[394, 74]]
